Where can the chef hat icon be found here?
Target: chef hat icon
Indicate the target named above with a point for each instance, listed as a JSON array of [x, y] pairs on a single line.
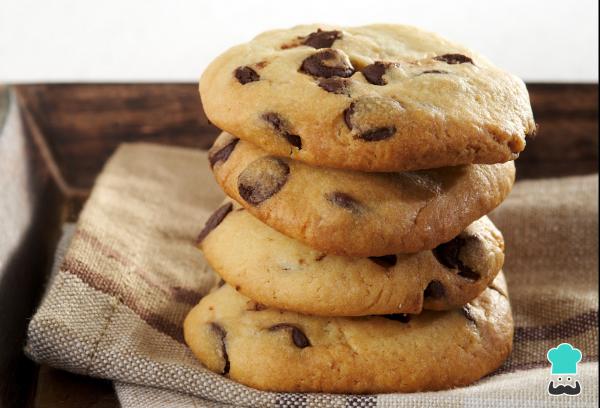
[[564, 359]]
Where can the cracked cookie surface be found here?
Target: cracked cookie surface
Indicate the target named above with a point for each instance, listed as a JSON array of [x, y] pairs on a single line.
[[352, 213], [280, 272], [274, 350], [372, 98]]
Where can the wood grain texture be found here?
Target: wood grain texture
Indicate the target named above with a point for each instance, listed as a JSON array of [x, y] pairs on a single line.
[[83, 124], [567, 139]]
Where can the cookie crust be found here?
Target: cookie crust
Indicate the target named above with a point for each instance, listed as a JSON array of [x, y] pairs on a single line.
[[373, 98]]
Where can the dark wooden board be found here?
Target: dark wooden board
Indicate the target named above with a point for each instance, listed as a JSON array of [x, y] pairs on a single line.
[[83, 124], [71, 129], [567, 141]]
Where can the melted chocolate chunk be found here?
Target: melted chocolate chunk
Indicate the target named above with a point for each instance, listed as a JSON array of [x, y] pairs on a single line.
[[245, 75], [448, 254], [327, 63], [214, 220], [221, 334], [348, 112], [374, 73], [281, 127], [322, 39], [370, 135], [343, 200], [262, 179], [223, 153], [435, 290], [255, 306], [434, 71], [454, 59], [334, 85], [387, 261], [294, 140], [275, 120], [399, 317], [298, 336], [377, 134]]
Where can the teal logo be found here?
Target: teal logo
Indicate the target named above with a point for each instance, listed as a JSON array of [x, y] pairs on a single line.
[[564, 359]]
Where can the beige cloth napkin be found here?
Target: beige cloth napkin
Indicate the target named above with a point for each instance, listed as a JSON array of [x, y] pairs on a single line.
[[115, 306]]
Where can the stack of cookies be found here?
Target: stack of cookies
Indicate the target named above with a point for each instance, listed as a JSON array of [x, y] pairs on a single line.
[[355, 250]]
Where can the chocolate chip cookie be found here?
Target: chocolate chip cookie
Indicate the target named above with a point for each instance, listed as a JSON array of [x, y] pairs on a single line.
[[354, 213], [280, 272], [372, 98], [276, 350]]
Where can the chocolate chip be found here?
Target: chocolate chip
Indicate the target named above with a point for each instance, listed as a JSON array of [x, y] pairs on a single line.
[[281, 126], [434, 290], [214, 220], [262, 179], [245, 75], [334, 85], [467, 313], [387, 261], [327, 63], [399, 317], [223, 153], [448, 254], [294, 140], [359, 113], [348, 112], [434, 71], [298, 337], [275, 120], [468, 273], [454, 59], [253, 306], [345, 201], [221, 334], [374, 73], [322, 39], [377, 134]]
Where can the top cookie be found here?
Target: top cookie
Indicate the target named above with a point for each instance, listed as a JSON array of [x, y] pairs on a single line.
[[372, 98]]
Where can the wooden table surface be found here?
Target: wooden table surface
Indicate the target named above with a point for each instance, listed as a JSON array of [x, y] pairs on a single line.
[[70, 130]]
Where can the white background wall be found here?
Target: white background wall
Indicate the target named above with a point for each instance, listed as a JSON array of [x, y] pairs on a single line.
[[153, 40]]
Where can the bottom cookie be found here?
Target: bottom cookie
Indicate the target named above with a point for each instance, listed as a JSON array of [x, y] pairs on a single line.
[[276, 350]]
